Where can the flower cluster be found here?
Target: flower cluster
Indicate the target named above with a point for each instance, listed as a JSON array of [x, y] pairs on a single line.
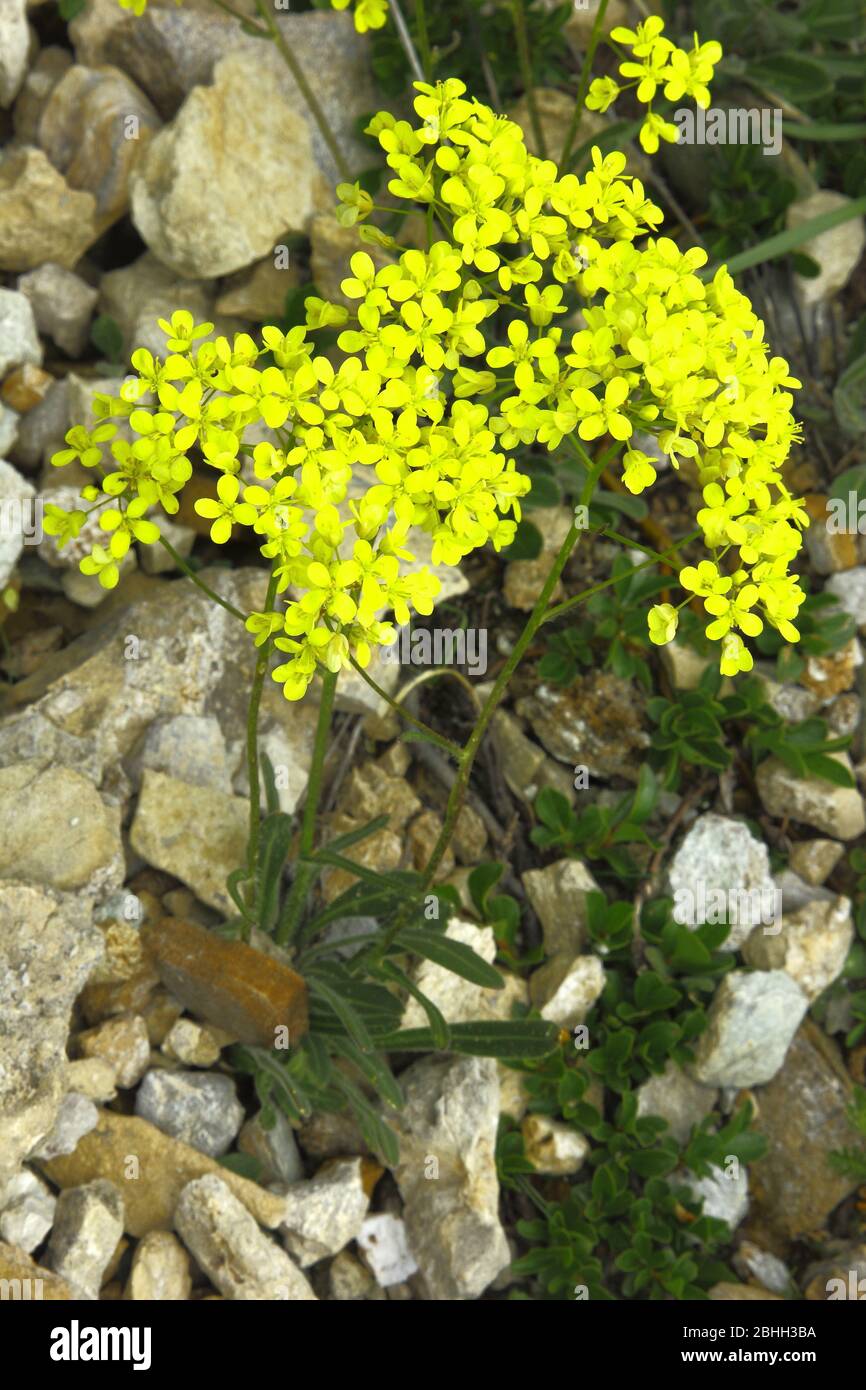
[[657, 63], [368, 14], [453, 357]]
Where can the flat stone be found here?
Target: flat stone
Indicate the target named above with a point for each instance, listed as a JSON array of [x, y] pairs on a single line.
[[325, 1213], [836, 251], [836, 811], [202, 1109], [237, 1257], [87, 1227], [188, 748], [160, 1270], [237, 988], [151, 1170], [597, 723], [63, 305], [750, 1024], [41, 217], [801, 1114], [240, 136]]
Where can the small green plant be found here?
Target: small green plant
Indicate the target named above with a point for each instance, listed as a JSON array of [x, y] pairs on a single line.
[[852, 1162]]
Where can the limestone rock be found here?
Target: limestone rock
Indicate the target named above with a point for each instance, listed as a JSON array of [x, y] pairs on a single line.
[[62, 304], [836, 251], [20, 517], [276, 1149], [76, 1117], [47, 949], [751, 1022], [836, 811], [39, 82], [151, 1169], [87, 1227], [815, 860], [812, 945], [451, 1203], [239, 136], [56, 830], [95, 128], [566, 987], [41, 217], [382, 1241], [160, 1270], [236, 1256], [123, 1043], [459, 1000], [36, 1282], [19, 341], [558, 895], [802, 1116], [552, 1146], [194, 832], [14, 46], [324, 1214], [719, 854], [675, 1097], [27, 1208], [202, 1109]]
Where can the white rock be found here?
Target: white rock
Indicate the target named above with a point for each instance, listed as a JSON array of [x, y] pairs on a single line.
[[565, 988], [447, 1174], [721, 855], [383, 1242], [812, 945], [849, 588], [19, 340], [27, 1208], [76, 1117], [238, 1258], [725, 1194], [459, 1000], [9, 423], [552, 1146], [199, 1108], [19, 517], [14, 46], [836, 251], [751, 1022], [815, 860], [325, 1213]]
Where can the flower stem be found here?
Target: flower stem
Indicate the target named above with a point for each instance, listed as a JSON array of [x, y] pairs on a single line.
[[519, 16], [290, 919], [405, 38], [439, 739], [205, 588], [424, 39], [583, 85], [253, 745], [536, 618], [307, 92]]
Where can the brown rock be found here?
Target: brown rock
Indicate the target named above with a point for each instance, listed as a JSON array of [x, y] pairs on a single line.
[[41, 217], [802, 1116], [151, 1169], [742, 1293], [43, 1284], [26, 387], [230, 984], [123, 1043]]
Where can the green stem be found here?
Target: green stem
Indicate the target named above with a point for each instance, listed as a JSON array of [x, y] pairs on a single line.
[[307, 92], [305, 874], [205, 588], [519, 16], [406, 40], [536, 618], [253, 745], [583, 85], [244, 19], [560, 608], [439, 739]]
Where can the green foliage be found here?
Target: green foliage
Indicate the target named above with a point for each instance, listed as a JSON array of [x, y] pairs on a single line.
[[613, 633], [501, 912], [105, 332], [700, 728], [358, 984], [852, 1161], [599, 832], [747, 199]]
